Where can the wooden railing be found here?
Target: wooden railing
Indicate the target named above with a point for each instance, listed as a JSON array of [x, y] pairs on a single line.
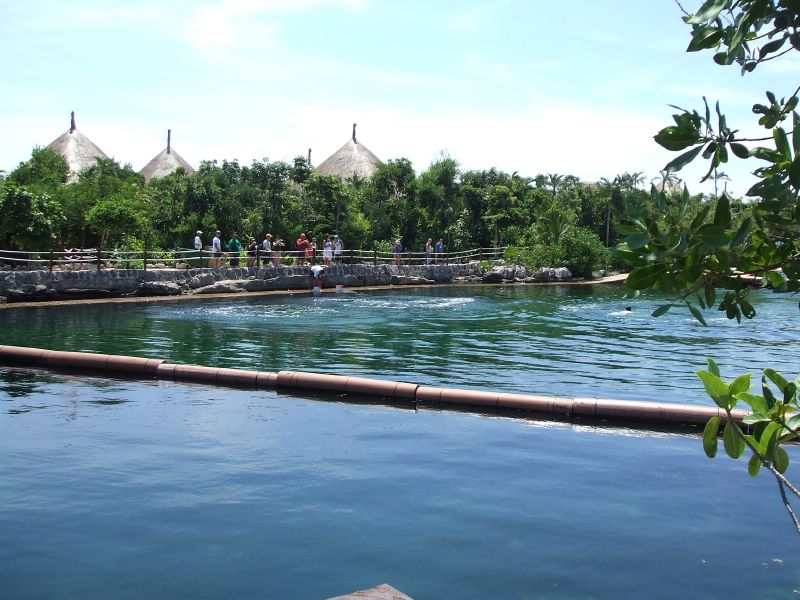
[[96, 258]]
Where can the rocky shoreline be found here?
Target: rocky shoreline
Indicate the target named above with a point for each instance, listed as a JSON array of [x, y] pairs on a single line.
[[34, 286]]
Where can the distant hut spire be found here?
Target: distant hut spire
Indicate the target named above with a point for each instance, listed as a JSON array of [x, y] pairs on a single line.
[[309, 156], [78, 150], [165, 162], [351, 159]]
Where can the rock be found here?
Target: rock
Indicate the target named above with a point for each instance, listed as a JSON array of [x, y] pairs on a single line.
[[493, 277], [202, 280], [406, 280], [3, 299], [222, 287], [551, 274], [158, 288]]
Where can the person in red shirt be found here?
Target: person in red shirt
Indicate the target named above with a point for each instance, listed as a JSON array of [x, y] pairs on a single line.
[[301, 245]]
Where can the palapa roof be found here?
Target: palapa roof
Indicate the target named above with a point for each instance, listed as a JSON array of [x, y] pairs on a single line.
[[79, 151], [165, 162], [351, 159]]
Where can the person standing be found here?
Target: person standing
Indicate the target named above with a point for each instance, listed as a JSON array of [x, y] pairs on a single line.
[[266, 248], [301, 245], [429, 251], [252, 248], [216, 249], [311, 253], [277, 248], [234, 247], [397, 250], [327, 250], [338, 249], [439, 251], [198, 247]]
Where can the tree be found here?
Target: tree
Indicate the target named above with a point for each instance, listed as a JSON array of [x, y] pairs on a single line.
[[721, 248], [46, 168], [29, 220]]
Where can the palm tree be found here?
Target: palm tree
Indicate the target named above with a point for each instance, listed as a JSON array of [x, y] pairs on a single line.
[[667, 181]]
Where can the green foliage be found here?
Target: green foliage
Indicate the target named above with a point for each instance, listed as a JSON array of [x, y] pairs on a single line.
[[28, 220], [691, 254], [46, 169]]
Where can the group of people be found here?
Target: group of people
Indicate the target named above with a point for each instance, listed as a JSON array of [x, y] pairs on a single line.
[[432, 253], [272, 249]]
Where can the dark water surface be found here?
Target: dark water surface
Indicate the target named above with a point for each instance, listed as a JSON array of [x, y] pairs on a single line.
[[127, 489]]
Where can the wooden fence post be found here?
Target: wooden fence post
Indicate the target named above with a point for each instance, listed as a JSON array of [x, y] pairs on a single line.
[[144, 260]]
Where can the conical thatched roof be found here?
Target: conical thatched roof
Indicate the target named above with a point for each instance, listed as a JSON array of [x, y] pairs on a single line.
[[165, 162], [79, 151], [351, 159]]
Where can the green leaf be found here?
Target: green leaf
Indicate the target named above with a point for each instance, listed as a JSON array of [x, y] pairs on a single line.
[[705, 37], [636, 241], [684, 159], [712, 366], [710, 433], [781, 460], [793, 422], [740, 150], [713, 236], [734, 445], [740, 385], [755, 402], [754, 465], [709, 11], [796, 132], [776, 378], [782, 143], [663, 309], [710, 293], [716, 388], [697, 315], [741, 234], [675, 138], [722, 214], [644, 277]]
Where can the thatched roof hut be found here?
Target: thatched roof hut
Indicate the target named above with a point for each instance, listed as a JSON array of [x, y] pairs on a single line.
[[79, 151], [165, 162], [351, 159]]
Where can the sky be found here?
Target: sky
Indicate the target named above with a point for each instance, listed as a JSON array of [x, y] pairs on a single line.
[[571, 87]]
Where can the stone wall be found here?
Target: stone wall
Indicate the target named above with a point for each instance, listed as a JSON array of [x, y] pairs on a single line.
[[43, 285]]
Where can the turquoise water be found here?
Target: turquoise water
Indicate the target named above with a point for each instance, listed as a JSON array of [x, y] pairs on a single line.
[[565, 341], [128, 489]]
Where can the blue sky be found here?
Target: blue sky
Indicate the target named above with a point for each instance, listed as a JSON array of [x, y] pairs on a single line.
[[573, 87]]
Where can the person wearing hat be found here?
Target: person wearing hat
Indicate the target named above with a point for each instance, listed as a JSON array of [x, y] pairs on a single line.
[[216, 249], [198, 246], [338, 249]]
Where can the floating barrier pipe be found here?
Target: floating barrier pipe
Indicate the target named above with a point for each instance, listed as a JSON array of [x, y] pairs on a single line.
[[565, 408]]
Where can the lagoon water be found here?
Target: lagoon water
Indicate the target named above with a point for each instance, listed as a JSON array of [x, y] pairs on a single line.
[[129, 489]]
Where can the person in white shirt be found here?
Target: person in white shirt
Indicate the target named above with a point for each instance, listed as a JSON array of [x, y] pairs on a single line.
[[338, 249], [216, 248], [198, 246]]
